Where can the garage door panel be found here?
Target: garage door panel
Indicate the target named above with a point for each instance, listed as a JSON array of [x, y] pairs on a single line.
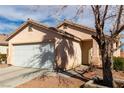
[[35, 55]]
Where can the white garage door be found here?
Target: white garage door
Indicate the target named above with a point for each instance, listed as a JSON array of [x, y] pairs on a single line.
[[34, 55]]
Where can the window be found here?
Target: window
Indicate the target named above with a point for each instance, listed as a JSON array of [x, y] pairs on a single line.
[[30, 28], [65, 26]]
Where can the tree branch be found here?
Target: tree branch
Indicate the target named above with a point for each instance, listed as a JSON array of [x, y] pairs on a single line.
[[79, 11], [122, 44], [118, 29], [104, 16]]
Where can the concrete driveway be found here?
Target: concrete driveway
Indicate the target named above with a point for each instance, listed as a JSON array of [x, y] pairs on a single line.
[[13, 76]]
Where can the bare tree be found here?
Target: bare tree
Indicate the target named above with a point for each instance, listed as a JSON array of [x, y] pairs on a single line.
[[106, 42]]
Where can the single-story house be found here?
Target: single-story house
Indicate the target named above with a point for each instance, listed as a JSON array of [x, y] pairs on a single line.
[[39, 46], [3, 44]]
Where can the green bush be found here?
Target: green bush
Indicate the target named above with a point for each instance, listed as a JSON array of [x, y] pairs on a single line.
[[118, 63], [3, 57]]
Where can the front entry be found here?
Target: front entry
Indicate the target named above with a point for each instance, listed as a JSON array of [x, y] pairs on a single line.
[[87, 51]]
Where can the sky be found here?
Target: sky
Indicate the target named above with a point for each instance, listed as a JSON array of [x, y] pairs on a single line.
[[12, 16]]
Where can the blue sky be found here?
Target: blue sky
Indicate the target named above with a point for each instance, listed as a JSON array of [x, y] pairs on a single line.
[[12, 16]]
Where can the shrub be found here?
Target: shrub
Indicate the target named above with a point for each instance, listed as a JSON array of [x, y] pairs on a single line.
[[118, 63], [3, 57]]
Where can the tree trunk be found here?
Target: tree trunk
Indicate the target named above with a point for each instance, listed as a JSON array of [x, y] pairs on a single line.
[[107, 61]]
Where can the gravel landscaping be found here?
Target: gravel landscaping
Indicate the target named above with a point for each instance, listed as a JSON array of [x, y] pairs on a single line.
[[4, 65], [53, 82], [70, 82]]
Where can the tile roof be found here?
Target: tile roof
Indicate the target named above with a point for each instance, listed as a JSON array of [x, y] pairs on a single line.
[[76, 25], [30, 21]]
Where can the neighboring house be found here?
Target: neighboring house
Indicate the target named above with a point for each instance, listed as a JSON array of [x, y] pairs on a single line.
[[3, 44], [122, 54], [66, 46]]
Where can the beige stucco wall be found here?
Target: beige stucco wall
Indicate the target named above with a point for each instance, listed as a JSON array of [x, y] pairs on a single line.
[[3, 49], [82, 34], [67, 51], [96, 60], [88, 44], [85, 35]]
